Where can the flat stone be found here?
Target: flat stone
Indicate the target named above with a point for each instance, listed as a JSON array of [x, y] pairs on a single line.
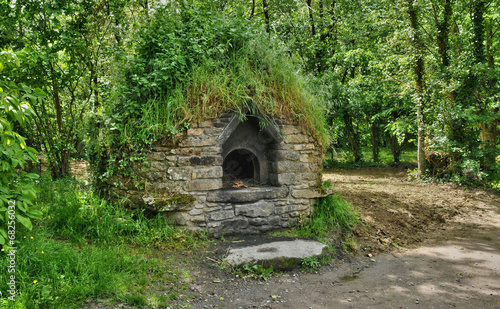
[[297, 139], [156, 156], [178, 173], [220, 215], [290, 167], [286, 155], [279, 254], [198, 141], [157, 166], [289, 129], [246, 195], [205, 160], [290, 178], [195, 132]]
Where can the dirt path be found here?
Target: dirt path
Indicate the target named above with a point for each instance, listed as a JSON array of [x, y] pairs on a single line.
[[450, 259]]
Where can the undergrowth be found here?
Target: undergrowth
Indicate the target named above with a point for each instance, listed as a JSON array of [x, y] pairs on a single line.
[[85, 248], [330, 213], [255, 271], [344, 159], [75, 213], [332, 216]]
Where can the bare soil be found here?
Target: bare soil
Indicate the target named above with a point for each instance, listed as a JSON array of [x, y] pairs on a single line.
[[421, 245]]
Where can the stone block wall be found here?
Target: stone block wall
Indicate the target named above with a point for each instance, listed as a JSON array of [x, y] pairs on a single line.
[[182, 177]]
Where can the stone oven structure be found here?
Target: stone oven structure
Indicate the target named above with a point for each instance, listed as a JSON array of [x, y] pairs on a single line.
[[230, 175]]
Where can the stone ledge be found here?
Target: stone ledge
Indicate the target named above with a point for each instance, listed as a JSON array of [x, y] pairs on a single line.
[[246, 195]]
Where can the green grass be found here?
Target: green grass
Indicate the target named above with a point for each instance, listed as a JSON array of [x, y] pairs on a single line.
[[86, 249], [75, 213], [55, 274]]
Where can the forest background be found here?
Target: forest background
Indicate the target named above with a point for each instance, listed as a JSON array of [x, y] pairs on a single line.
[[388, 74]]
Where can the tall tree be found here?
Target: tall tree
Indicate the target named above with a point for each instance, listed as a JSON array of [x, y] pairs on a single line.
[[61, 45], [418, 67]]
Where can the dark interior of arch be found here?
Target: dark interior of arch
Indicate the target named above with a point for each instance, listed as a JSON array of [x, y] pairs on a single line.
[[240, 165]]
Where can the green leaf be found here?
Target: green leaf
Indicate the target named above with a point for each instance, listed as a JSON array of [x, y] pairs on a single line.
[[24, 221], [21, 205], [46, 291], [34, 213], [3, 233]]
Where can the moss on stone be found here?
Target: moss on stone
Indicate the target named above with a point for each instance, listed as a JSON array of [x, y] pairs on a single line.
[[171, 203]]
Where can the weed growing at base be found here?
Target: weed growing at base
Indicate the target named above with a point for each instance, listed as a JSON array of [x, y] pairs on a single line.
[[255, 271], [333, 216], [311, 263], [331, 212]]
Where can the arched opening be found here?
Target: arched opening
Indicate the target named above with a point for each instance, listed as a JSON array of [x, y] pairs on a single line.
[[241, 165]]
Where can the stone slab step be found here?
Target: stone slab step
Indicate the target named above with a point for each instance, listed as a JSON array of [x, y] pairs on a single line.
[[279, 254]]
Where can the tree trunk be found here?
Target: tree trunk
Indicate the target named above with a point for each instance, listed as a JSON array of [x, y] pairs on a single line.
[[265, 8], [418, 67], [58, 154], [354, 139], [489, 129], [489, 143], [443, 27], [395, 149], [375, 133], [311, 17], [252, 12]]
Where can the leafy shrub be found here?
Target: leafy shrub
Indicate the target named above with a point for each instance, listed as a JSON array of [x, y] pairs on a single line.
[[311, 263], [257, 271], [17, 188]]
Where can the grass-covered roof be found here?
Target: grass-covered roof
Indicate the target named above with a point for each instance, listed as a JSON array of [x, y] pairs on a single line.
[[193, 64], [196, 64]]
